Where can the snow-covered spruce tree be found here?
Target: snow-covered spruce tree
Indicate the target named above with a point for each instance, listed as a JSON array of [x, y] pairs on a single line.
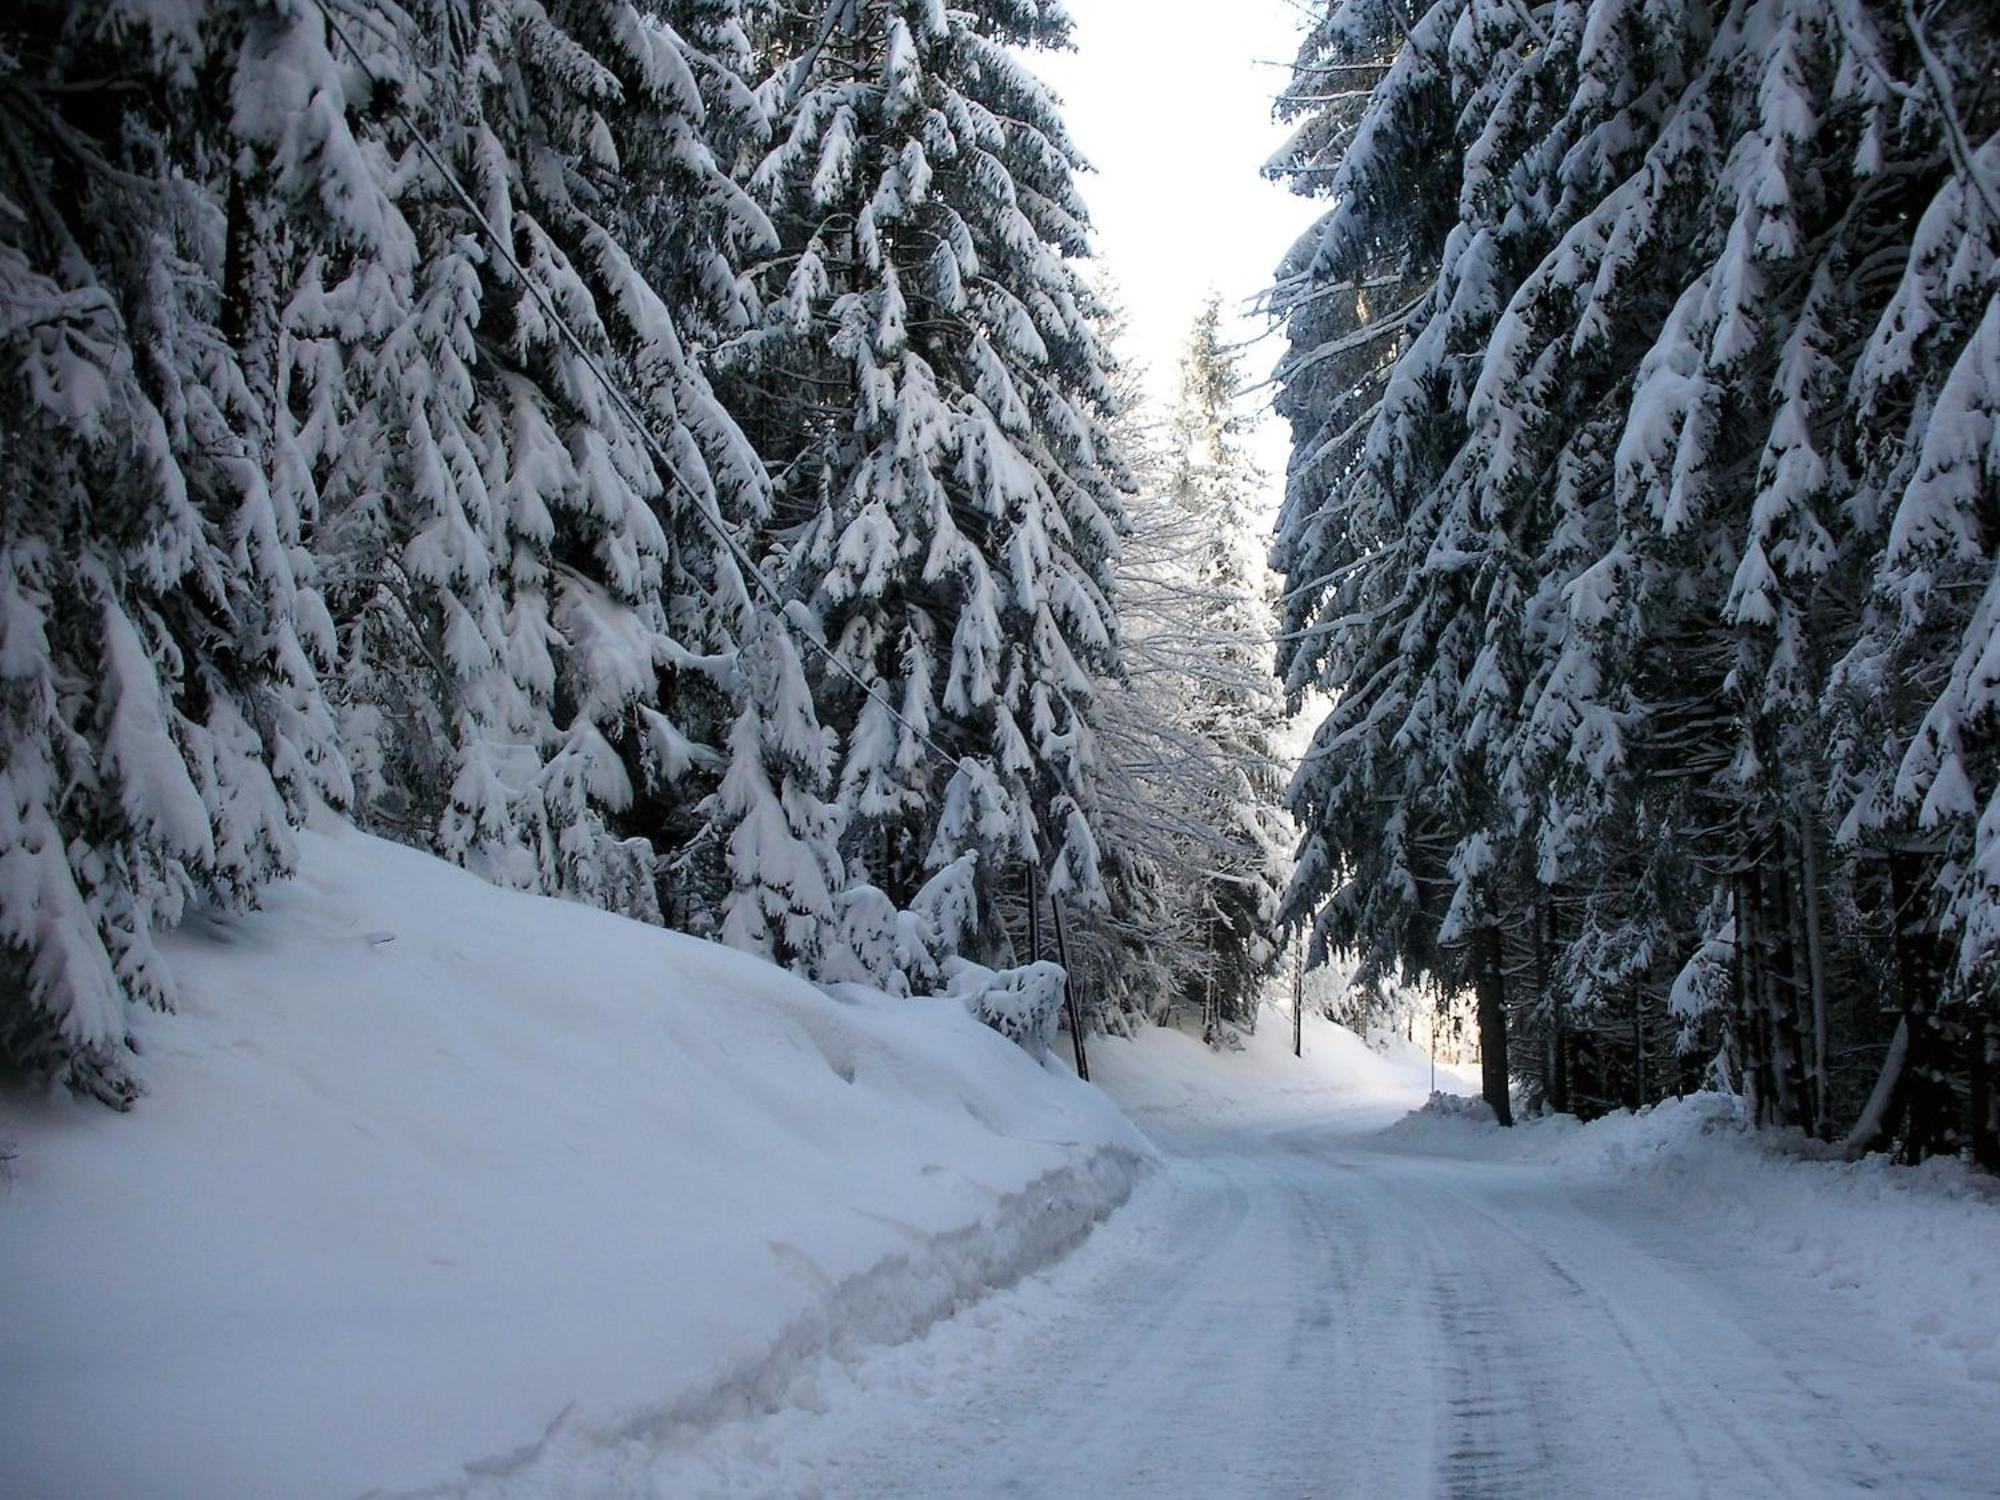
[[537, 613], [1743, 517], [160, 719], [1189, 823], [1623, 415], [1917, 723], [927, 389], [1231, 707], [1393, 793]]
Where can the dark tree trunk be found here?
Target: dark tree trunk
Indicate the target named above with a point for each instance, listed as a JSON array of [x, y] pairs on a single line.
[[1489, 983], [1638, 1047], [1814, 940], [1927, 1104], [1070, 1004], [1985, 1044], [1752, 1019], [1034, 914], [1786, 989], [1299, 996], [1555, 1046], [1879, 1117]]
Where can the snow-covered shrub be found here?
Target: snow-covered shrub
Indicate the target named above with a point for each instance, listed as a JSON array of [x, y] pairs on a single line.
[[1020, 1003]]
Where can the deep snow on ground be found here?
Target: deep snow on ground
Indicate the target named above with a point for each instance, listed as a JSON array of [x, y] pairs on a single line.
[[1169, 1080], [1919, 1248], [935, 1391], [443, 1190], [426, 1165], [1300, 1305]]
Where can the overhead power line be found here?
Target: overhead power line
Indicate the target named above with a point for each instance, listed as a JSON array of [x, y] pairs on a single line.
[[626, 406]]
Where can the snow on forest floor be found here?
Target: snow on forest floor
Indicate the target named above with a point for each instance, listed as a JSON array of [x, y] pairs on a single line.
[[447, 1191], [1169, 1081], [426, 1166], [1303, 1305], [1920, 1246]]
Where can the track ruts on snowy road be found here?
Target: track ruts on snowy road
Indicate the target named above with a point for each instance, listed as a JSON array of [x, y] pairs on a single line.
[[1298, 1314]]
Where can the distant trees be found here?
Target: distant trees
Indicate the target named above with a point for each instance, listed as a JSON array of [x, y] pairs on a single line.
[[1194, 729], [1640, 522]]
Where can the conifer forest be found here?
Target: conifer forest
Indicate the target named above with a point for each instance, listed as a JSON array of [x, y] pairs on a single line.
[[686, 458]]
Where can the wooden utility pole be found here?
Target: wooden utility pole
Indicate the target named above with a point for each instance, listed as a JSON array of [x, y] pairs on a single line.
[[1638, 1046], [1074, 1010], [1490, 985], [1431, 1042], [1299, 996], [1034, 914]]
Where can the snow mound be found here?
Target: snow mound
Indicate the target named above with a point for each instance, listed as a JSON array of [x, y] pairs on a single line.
[[427, 1167], [1170, 1081], [1921, 1244]]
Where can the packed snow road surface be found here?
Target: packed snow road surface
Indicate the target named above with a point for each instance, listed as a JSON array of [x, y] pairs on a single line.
[[1298, 1314], [1291, 1309]]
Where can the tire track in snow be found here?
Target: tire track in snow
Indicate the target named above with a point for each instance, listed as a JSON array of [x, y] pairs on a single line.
[[1303, 1317]]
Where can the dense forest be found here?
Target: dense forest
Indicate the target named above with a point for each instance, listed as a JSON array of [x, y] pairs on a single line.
[[1643, 376], [701, 796], [668, 454], [663, 455]]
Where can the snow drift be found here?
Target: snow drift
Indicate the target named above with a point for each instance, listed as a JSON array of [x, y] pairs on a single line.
[[1920, 1245], [1173, 1083], [426, 1167]]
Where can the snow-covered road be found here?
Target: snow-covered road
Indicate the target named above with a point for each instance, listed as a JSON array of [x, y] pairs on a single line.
[[1303, 1311]]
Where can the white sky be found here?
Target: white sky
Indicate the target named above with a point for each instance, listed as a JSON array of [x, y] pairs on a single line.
[[1171, 102]]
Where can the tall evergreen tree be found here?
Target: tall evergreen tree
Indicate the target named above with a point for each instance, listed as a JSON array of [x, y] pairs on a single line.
[[161, 721], [1213, 485], [1618, 510], [1193, 842], [537, 603], [927, 389]]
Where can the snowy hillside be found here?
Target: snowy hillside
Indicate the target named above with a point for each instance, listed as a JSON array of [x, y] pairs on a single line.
[[425, 1166], [1170, 1083]]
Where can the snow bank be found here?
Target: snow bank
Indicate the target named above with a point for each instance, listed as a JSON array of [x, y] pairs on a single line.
[[1921, 1244], [427, 1166], [1170, 1081]]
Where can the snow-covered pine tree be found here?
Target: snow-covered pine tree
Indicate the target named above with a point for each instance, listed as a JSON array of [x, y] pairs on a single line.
[[1913, 701], [1212, 488], [160, 718], [927, 389], [1190, 821], [537, 612], [1386, 556]]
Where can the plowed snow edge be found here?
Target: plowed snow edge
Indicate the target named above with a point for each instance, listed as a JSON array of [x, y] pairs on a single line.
[[897, 1299]]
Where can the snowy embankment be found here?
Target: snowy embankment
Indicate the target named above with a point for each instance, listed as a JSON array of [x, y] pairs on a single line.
[[1919, 1246], [427, 1167], [1170, 1082]]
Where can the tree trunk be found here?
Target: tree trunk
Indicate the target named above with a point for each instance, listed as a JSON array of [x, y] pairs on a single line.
[[1927, 1122], [1815, 945], [1069, 989], [1879, 1116], [1034, 914], [1490, 985], [1638, 1047], [1786, 990], [1208, 990], [1985, 1046], [1299, 996], [1753, 1064], [1555, 1057]]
